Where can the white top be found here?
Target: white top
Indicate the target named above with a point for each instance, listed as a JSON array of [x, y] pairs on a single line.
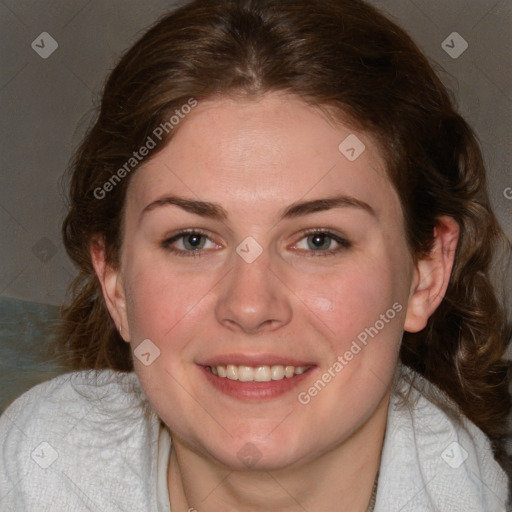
[[90, 441], [164, 450]]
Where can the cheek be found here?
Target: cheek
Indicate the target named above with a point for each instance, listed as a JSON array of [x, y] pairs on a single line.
[[167, 308], [349, 301], [159, 300]]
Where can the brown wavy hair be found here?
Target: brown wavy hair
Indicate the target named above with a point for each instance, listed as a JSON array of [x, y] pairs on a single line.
[[347, 58]]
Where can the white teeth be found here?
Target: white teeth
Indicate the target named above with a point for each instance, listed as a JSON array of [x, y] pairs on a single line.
[[257, 374], [231, 371], [277, 372], [262, 374], [245, 374]]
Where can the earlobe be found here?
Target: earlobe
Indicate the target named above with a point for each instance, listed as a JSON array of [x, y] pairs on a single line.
[[111, 285], [432, 275]]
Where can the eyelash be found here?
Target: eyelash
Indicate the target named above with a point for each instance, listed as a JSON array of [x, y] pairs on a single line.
[[167, 244], [343, 243]]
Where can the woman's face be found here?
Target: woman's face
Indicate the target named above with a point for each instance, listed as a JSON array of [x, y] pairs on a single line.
[[294, 260]]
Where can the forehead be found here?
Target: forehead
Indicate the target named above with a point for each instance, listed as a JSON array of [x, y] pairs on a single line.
[[274, 147]]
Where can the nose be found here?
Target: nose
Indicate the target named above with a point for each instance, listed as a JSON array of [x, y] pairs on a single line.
[[253, 298]]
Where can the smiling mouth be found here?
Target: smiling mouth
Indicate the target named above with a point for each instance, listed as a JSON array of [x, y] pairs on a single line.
[[263, 373]]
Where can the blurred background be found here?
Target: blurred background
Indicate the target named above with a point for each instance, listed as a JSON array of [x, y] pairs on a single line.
[[55, 57]]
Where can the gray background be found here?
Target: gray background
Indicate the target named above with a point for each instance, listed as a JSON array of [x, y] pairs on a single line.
[[47, 103]]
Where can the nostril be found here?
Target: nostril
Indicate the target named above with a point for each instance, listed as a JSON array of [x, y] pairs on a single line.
[[252, 301]]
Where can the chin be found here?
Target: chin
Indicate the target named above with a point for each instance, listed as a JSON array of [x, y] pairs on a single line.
[[260, 455]]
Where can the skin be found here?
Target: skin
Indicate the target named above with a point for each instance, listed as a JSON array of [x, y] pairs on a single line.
[[254, 158]]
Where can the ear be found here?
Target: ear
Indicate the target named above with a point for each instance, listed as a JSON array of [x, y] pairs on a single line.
[[111, 285], [432, 275]]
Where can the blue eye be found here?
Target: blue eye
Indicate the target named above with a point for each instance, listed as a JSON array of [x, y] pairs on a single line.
[[193, 242], [319, 241], [188, 243], [323, 243]]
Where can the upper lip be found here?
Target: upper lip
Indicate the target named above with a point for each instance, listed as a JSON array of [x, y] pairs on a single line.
[[253, 360]]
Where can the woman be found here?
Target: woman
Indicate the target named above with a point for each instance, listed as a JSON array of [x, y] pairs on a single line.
[[285, 243]]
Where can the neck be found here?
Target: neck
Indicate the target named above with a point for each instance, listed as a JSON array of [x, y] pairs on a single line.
[[342, 478]]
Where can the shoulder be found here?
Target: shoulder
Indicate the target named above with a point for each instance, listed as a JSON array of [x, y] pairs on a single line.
[[433, 457], [84, 397], [67, 438]]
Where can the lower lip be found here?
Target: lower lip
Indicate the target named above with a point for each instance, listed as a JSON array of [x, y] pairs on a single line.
[[254, 390]]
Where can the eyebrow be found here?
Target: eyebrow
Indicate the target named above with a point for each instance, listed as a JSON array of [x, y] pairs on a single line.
[[202, 208], [320, 205], [298, 209]]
